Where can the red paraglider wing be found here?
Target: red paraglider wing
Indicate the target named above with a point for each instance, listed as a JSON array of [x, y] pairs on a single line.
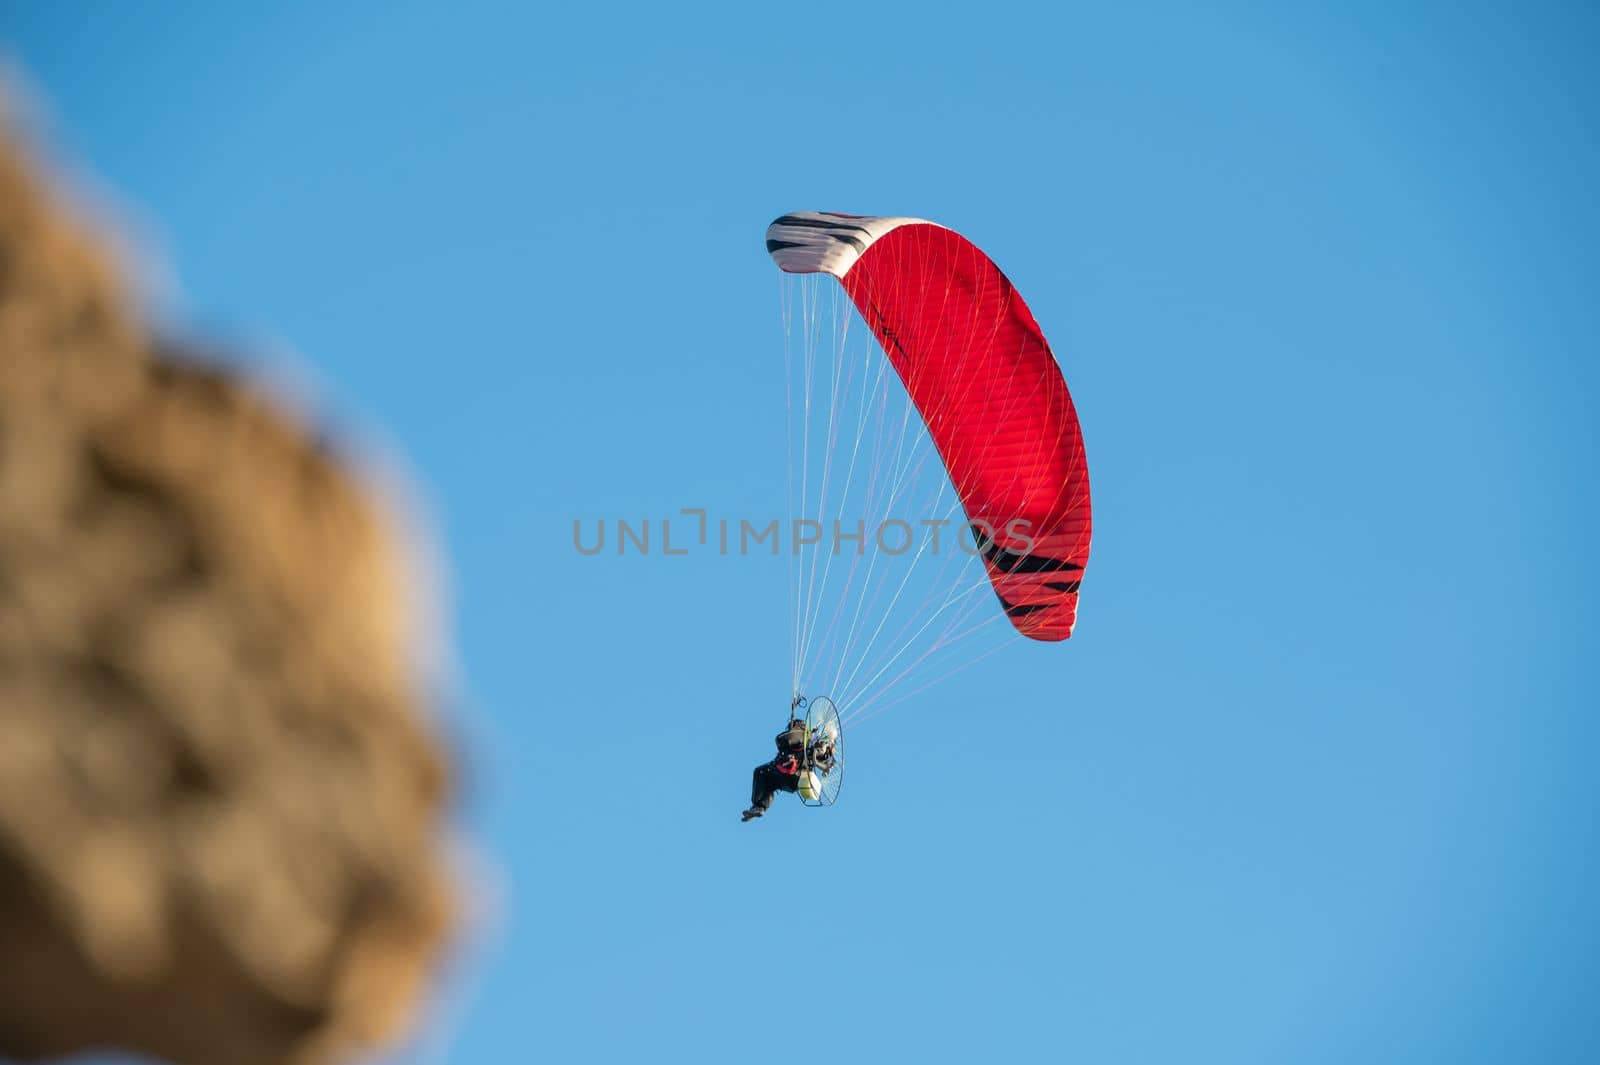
[[987, 386]]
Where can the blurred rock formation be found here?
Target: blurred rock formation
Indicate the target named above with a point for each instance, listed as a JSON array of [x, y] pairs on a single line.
[[221, 806]]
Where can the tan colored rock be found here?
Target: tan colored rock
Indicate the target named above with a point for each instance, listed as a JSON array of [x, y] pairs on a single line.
[[221, 807]]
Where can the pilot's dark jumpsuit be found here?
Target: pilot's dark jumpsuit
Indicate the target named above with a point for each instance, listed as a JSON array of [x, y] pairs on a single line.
[[780, 774]]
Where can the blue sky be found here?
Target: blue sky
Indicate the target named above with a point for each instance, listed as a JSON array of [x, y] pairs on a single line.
[[1311, 783]]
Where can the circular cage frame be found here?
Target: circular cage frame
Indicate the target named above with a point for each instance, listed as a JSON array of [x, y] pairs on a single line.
[[819, 711]]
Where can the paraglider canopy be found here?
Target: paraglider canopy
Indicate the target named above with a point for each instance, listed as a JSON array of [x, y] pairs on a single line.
[[987, 386]]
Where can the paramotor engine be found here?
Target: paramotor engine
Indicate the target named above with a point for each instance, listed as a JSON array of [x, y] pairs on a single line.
[[822, 767]]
